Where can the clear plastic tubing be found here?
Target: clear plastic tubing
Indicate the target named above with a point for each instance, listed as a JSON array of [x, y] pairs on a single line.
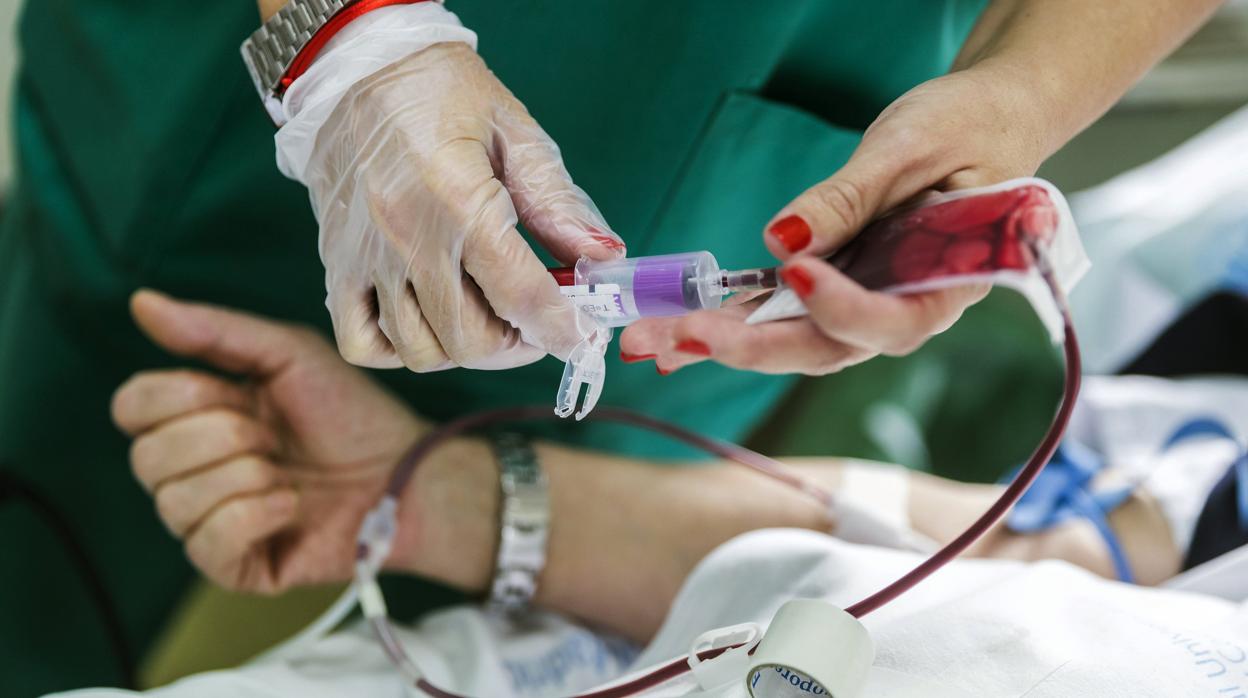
[[621, 291]]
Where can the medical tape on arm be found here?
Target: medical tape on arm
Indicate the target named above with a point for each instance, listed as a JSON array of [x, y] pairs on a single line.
[[873, 507]]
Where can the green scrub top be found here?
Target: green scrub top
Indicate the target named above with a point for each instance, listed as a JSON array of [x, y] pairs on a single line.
[[145, 159]]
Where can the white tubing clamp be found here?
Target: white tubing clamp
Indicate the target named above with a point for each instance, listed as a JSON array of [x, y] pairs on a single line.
[[725, 667]]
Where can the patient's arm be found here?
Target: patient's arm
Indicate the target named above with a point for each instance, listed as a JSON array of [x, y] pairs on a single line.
[[941, 508], [624, 535], [267, 474], [266, 478]]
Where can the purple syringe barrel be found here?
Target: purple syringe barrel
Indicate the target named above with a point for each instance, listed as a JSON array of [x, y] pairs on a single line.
[[659, 286]]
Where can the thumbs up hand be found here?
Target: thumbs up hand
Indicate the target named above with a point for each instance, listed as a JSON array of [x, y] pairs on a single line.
[[267, 477]]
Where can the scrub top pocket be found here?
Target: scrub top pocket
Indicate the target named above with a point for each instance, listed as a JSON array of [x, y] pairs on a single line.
[[753, 157]]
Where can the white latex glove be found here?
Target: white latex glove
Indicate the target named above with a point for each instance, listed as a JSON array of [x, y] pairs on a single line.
[[420, 163]]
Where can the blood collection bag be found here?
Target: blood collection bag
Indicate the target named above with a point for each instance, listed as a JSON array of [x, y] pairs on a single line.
[[982, 235]]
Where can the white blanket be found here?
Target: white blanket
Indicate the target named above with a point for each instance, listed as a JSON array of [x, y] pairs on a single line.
[[978, 628]]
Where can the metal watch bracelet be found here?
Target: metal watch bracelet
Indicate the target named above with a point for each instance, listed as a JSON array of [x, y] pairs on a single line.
[[271, 51], [524, 523]]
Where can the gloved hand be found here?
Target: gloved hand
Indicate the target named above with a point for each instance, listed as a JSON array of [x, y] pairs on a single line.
[[420, 163]]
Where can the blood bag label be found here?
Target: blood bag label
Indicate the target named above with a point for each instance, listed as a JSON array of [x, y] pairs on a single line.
[[599, 301]]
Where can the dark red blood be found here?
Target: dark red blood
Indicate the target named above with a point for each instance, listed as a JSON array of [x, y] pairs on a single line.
[[916, 255], [961, 215], [1010, 255], [564, 276], [966, 256], [1009, 245], [972, 235]]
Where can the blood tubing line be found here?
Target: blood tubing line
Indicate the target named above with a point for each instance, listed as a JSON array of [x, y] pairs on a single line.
[[960, 239]]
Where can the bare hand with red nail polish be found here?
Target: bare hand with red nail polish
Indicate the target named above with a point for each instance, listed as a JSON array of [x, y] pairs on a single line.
[[847, 325], [928, 139], [962, 130]]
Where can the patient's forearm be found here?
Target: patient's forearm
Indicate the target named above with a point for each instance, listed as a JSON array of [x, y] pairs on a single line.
[[941, 509], [623, 534]]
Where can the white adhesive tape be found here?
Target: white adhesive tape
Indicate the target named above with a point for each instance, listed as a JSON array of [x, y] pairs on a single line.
[[883, 490], [811, 648], [872, 508]]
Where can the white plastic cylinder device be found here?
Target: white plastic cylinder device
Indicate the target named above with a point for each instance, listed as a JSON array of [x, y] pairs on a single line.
[[811, 648], [617, 292]]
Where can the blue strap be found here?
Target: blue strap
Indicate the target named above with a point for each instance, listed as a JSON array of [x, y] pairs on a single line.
[[1241, 475], [1237, 273], [1201, 426], [1063, 492]]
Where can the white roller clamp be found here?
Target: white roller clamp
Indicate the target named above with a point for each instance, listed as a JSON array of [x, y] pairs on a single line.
[[726, 667]]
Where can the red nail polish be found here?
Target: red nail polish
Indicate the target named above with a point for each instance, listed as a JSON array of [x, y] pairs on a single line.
[[636, 358], [607, 241], [799, 280], [792, 232], [693, 346]]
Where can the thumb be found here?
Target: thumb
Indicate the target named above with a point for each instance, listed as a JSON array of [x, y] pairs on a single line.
[[558, 213], [829, 214], [227, 339]]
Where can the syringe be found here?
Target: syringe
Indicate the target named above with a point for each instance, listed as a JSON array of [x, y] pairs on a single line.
[[618, 292]]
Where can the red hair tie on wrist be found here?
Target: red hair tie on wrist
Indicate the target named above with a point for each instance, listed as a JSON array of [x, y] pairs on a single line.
[[303, 59]]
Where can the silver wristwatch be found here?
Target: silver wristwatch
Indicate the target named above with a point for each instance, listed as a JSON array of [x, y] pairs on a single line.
[[270, 51], [525, 520]]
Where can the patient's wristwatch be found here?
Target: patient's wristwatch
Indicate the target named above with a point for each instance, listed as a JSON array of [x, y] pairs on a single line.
[[286, 44], [525, 519]]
